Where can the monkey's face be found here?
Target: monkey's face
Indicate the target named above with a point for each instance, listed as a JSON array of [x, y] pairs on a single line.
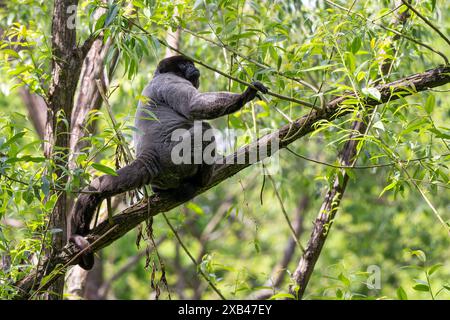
[[182, 67], [191, 73]]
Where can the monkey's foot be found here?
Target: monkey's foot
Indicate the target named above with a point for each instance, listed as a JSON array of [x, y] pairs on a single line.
[[86, 260]]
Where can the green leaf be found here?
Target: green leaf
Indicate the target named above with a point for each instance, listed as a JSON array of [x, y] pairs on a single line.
[[356, 44], [439, 134], [11, 53], [273, 53], [360, 75], [389, 187], [111, 14], [13, 139], [194, 207], [28, 196], [433, 5], [379, 125], [151, 115], [419, 125], [419, 254], [100, 22], [421, 287], [282, 296], [372, 93], [350, 61], [344, 280], [279, 61], [45, 186], [401, 294], [434, 268], [429, 105], [104, 169]]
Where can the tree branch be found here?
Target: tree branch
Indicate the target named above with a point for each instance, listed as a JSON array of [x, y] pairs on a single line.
[[66, 68], [106, 233]]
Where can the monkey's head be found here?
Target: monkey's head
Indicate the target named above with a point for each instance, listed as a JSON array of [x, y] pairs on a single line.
[[182, 67]]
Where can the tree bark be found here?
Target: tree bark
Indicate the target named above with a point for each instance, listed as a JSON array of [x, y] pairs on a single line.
[[88, 100], [327, 212], [66, 66]]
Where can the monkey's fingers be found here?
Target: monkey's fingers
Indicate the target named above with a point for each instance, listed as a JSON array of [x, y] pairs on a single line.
[[258, 85]]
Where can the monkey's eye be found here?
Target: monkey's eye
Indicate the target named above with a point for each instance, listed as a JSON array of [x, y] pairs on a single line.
[[182, 67]]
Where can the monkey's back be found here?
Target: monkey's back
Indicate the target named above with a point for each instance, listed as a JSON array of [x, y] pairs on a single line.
[[156, 122]]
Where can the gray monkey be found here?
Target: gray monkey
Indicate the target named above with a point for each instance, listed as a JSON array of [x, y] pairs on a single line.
[[176, 103]]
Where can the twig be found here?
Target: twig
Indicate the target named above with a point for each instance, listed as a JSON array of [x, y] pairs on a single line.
[[262, 65], [186, 250], [428, 22], [199, 62], [381, 165], [291, 228], [392, 30]]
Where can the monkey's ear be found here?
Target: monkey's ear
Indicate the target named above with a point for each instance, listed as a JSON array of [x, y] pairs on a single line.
[[162, 67]]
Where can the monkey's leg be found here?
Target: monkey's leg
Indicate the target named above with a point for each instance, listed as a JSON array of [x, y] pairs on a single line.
[[133, 176]]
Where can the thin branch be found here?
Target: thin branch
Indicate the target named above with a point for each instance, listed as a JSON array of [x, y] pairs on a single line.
[[186, 250], [392, 30], [286, 216], [261, 65], [428, 22], [381, 165], [388, 13], [331, 203], [199, 62]]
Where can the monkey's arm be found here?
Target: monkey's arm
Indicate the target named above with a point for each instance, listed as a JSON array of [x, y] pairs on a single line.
[[211, 105], [180, 95]]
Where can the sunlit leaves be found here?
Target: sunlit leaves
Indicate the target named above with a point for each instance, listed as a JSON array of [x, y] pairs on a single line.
[[401, 294], [372, 92], [105, 169]]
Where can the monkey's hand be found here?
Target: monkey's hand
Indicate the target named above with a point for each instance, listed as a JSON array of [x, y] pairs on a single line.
[[251, 92], [258, 85]]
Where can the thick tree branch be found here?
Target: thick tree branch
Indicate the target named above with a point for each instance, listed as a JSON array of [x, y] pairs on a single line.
[[95, 51], [106, 233], [66, 68]]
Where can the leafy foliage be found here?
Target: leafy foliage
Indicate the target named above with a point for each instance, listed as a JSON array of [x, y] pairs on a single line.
[[396, 207]]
